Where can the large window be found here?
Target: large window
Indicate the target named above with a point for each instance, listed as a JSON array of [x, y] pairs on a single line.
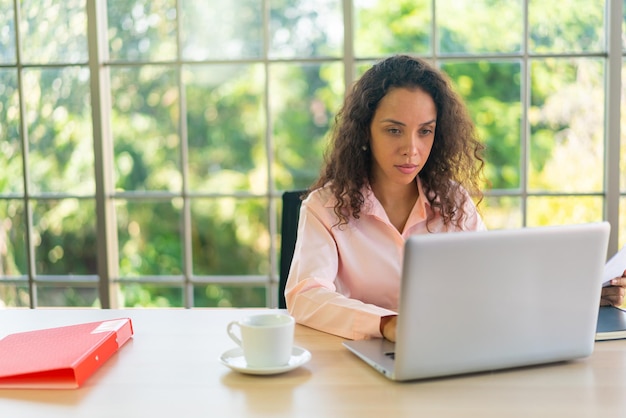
[[145, 144]]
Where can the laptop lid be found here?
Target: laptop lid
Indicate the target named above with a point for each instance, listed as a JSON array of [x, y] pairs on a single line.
[[479, 301]]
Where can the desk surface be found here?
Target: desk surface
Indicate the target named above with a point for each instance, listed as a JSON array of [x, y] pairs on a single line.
[[171, 368]]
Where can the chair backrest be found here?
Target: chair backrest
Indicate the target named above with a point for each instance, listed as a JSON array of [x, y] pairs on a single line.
[[289, 232]]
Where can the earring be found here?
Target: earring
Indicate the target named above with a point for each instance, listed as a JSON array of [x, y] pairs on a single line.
[[364, 147]]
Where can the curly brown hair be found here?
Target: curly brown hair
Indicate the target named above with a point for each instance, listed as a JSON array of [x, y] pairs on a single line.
[[455, 160]]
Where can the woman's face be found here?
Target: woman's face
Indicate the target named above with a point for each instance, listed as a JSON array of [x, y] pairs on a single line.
[[402, 135]]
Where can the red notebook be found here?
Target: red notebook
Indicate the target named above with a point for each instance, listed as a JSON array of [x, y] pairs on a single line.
[[60, 358]]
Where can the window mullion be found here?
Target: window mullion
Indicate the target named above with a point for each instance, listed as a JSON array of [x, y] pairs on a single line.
[[103, 154], [30, 251], [613, 83]]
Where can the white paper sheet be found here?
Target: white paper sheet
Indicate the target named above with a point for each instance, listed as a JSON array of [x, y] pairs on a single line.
[[614, 267]]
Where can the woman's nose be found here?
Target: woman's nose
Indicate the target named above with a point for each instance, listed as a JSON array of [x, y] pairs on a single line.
[[412, 146]]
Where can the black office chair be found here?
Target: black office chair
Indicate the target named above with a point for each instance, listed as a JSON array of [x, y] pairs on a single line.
[[289, 231]]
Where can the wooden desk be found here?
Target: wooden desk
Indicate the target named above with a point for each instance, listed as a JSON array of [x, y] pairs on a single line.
[[171, 368]]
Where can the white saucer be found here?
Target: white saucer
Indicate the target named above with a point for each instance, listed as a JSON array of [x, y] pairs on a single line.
[[234, 359]]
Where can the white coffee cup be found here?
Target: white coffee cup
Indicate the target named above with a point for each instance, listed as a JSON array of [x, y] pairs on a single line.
[[266, 339]]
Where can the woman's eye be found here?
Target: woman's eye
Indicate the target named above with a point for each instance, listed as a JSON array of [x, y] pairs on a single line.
[[393, 131], [426, 131]]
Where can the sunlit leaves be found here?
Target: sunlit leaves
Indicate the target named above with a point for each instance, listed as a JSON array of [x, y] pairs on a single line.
[[12, 180], [58, 116], [142, 30], [7, 33], [385, 27], [53, 31], [226, 128], [64, 236], [149, 235], [230, 29], [492, 93], [566, 26], [230, 236], [480, 26], [300, 28], [567, 125], [303, 101], [145, 128]]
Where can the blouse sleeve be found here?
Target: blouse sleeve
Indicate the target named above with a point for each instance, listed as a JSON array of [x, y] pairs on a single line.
[[311, 293]]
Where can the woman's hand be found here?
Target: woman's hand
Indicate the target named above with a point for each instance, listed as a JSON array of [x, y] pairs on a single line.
[[388, 326], [614, 294]]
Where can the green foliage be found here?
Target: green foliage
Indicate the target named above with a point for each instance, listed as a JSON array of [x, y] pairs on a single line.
[[149, 238], [303, 106], [230, 237], [566, 25], [226, 127], [137, 295], [223, 296], [492, 91], [387, 27], [10, 148], [145, 118], [304, 29], [65, 237], [479, 26]]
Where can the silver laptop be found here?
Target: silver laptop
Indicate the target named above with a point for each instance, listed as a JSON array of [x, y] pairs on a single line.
[[489, 300]]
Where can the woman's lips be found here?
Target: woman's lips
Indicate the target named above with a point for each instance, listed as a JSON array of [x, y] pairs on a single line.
[[407, 168]]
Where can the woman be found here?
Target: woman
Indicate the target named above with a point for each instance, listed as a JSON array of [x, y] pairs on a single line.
[[404, 159]]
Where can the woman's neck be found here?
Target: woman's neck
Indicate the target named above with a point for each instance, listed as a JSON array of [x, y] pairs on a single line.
[[397, 200]]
